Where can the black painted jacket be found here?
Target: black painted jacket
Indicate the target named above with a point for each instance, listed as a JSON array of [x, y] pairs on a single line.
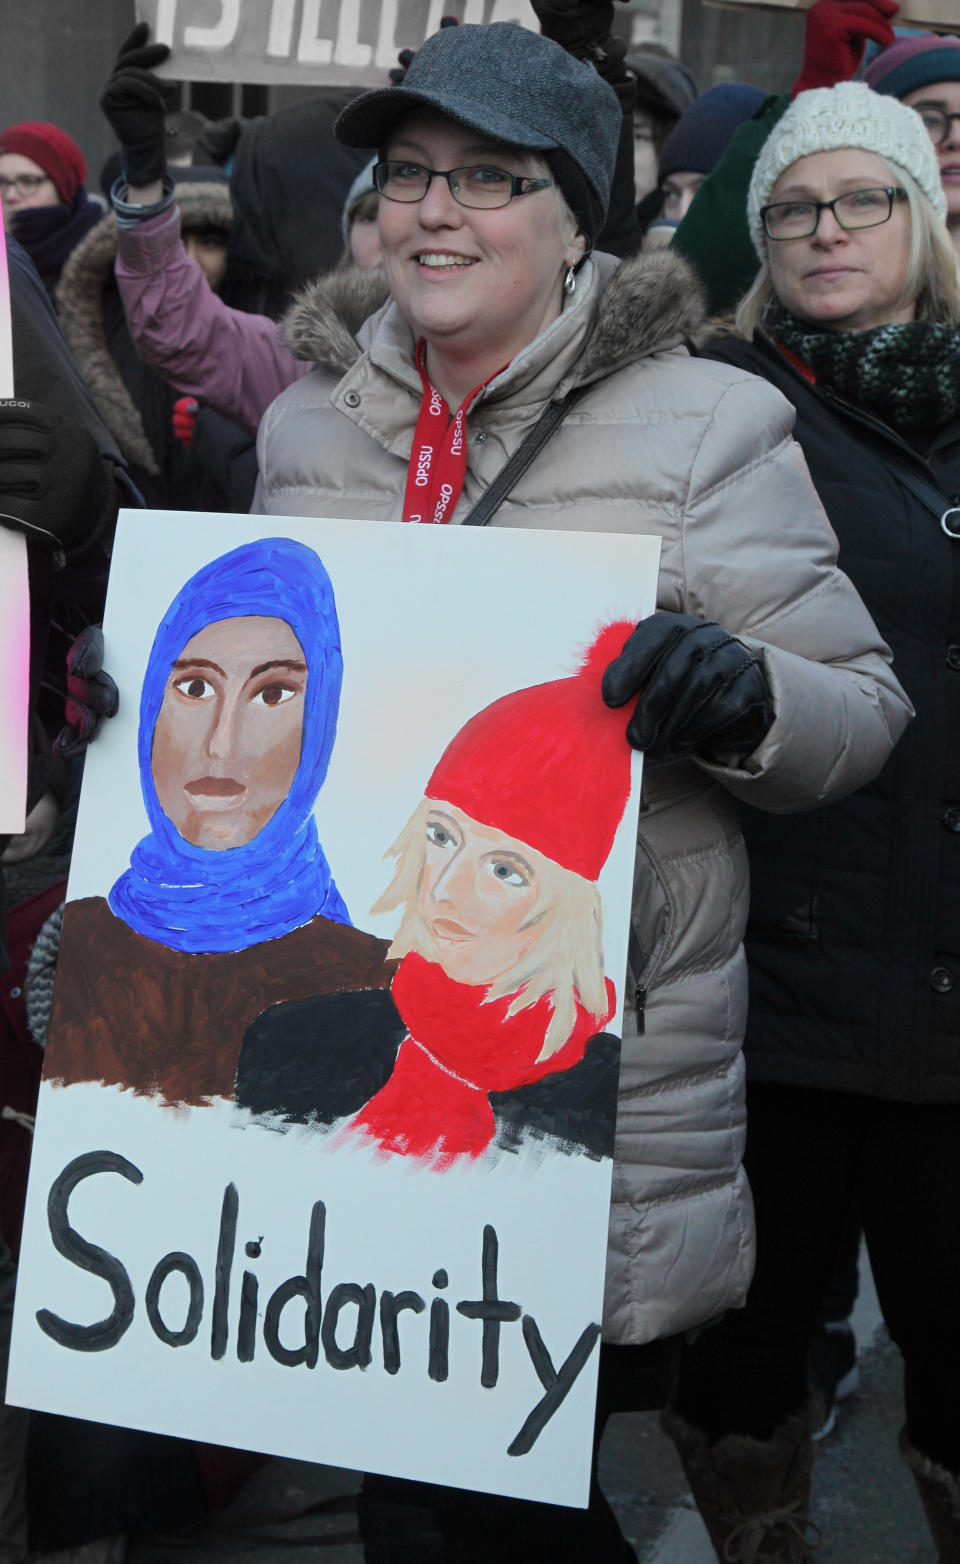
[[854, 935]]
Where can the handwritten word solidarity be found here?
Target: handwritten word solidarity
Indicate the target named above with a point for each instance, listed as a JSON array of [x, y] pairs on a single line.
[[327, 1316]]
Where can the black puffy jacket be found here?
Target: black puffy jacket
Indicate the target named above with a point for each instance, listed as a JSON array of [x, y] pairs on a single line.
[[854, 934]]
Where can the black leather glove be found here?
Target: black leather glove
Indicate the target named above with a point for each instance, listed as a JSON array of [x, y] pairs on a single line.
[[53, 482], [699, 689], [91, 694], [585, 29], [135, 102], [574, 23]]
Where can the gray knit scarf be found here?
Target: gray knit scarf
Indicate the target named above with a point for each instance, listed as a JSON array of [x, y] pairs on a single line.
[[906, 374]]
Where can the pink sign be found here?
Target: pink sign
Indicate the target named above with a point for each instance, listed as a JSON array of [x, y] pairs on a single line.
[[14, 617]]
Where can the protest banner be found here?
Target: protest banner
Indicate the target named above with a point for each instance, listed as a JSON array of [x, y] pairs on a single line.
[[306, 43], [942, 16], [324, 1143], [14, 615]]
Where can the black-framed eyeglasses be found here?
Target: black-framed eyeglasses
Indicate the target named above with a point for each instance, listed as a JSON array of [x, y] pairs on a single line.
[[481, 185], [24, 184], [936, 120], [856, 209]]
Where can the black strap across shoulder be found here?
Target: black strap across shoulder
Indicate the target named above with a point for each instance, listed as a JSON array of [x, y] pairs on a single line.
[[930, 496], [531, 444]]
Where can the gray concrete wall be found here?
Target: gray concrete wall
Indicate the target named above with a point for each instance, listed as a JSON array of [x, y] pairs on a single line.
[[56, 55]]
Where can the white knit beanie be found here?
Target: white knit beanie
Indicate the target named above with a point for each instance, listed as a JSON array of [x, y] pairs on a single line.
[[847, 115]]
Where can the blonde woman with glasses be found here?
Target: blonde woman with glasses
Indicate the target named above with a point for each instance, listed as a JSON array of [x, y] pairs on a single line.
[[853, 944]]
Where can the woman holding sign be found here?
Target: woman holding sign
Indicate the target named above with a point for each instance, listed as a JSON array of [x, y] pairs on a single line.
[[503, 332]]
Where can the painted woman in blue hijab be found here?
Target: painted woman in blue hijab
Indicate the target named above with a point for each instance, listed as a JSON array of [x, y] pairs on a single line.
[[229, 904]]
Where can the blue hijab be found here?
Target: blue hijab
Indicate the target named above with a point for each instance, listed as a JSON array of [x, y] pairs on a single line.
[[199, 899]]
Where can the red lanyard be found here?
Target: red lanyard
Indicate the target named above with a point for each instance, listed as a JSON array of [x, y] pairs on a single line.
[[438, 461]]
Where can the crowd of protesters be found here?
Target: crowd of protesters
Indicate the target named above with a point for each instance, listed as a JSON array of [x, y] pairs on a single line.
[[728, 318]]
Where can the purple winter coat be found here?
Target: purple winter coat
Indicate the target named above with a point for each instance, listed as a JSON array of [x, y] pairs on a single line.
[[234, 362]]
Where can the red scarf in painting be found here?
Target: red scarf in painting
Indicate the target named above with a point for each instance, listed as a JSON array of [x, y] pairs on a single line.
[[458, 1048]]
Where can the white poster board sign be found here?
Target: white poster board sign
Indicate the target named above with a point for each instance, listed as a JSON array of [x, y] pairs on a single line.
[[14, 616], [251, 1219], [306, 43]]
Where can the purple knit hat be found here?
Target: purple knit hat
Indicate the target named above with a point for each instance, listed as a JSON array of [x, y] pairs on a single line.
[[914, 62]]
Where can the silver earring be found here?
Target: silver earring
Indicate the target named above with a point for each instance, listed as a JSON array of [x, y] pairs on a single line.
[[570, 281]]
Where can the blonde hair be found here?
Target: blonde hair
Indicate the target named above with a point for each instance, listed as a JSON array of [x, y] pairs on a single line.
[[932, 283], [565, 963]]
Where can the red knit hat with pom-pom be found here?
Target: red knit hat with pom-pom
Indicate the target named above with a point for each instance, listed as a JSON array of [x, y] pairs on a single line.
[[548, 765], [52, 150]]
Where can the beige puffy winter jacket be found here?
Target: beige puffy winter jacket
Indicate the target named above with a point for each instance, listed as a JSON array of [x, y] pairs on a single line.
[[701, 454]]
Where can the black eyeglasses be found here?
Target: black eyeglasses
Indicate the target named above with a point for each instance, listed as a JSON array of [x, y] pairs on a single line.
[[23, 184], [479, 186], [937, 121], [856, 209]]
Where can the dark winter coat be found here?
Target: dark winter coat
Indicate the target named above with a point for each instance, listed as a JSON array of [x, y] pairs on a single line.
[[854, 934]]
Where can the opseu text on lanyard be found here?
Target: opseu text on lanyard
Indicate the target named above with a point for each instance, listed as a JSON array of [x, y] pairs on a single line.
[[438, 461]]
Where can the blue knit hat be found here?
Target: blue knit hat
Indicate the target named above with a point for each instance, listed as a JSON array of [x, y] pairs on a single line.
[[699, 139], [362, 186], [914, 62]]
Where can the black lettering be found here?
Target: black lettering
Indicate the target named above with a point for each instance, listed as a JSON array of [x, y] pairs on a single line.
[[556, 1385], [357, 1355], [226, 1243], [89, 1257], [490, 1310], [188, 1268], [247, 1324], [438, 1362], [306, 1286], [390, 1306]]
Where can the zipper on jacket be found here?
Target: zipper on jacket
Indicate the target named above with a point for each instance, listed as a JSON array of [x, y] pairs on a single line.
[[872, 422], [635, 962]]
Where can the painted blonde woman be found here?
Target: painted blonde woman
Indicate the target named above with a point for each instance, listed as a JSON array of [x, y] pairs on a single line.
[[499, 1001]]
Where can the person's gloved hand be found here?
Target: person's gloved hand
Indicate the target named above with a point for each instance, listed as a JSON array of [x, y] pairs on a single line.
[[836, 36], [700, 689], [406, 56], [185, 410], [53, 482], [585, 29], [576, 24], [135, 102], [91, 694]]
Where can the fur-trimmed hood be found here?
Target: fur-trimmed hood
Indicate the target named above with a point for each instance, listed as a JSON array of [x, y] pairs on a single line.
[[648, 304], [80, 308]]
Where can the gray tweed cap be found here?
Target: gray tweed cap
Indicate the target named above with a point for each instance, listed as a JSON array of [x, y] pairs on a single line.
[[509, 83]]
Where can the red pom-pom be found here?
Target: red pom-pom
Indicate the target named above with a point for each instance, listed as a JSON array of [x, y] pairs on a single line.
[[607, 644]]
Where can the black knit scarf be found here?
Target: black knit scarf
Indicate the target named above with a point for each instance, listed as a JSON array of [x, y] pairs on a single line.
[[50, 233], [907, 374]]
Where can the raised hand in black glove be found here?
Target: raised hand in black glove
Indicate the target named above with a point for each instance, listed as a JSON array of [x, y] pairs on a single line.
[[53, 484], [135, 102], [585, 29], [91, 694], [700, 690], [577, 24]]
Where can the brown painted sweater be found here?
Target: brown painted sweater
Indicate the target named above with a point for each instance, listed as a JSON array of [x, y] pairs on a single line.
[[131, 1012]]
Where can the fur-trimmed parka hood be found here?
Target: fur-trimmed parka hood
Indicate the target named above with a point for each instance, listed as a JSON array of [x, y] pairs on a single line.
[[80, 308], [650, 303]]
